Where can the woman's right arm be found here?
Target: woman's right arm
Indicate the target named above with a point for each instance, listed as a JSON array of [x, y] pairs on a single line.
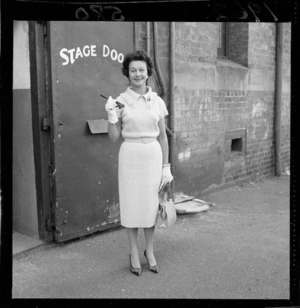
[[114, 131]]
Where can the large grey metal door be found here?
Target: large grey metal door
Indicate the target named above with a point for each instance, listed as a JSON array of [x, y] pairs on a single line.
[[86, 61]]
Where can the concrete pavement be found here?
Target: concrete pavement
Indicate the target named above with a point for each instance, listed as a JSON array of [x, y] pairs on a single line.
[[239, 249]]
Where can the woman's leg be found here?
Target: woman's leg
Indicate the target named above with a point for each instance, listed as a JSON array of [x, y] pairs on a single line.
[[134, 253], [149, 236]]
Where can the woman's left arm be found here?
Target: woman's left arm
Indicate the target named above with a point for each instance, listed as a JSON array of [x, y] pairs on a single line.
[[163, 140]]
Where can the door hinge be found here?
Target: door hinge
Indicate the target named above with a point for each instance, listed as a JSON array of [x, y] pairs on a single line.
[[50, 225], [45, 124]]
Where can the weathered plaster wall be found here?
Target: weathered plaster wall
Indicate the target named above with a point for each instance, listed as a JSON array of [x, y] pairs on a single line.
[[24, 190]]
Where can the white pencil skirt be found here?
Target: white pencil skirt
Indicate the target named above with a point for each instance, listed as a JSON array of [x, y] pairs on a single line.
[[140, 171]]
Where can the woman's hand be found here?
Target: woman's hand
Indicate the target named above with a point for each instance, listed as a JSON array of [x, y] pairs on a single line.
[[110, 108], [167, 176]]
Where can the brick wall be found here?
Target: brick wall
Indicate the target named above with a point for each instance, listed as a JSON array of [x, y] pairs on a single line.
[[262, 46], [224, 109], [260, 143], [262, 59], [261, 63], [196, 42]]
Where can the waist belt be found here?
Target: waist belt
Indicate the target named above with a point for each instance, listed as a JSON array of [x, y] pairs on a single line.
[[141, 140]]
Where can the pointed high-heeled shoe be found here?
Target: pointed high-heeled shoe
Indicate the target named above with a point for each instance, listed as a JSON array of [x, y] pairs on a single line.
[[153, 268], [135, 270]]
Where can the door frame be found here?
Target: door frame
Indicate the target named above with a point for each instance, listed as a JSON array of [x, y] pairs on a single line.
[[40, 71]]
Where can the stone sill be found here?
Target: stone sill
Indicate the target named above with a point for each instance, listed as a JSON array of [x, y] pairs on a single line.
[[231, 75], [230, 63]]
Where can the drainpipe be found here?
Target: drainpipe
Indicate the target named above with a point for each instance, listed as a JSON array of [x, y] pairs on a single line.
[[171, 121], [148, 38], [278, 94], [170, 127], [156, 63], [148, 47], [157, 68]]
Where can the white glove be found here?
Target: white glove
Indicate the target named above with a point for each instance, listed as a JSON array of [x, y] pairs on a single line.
[[110, 108], [167, 176]]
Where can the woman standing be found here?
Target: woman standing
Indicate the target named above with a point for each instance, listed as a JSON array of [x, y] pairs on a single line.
[[143, 156]]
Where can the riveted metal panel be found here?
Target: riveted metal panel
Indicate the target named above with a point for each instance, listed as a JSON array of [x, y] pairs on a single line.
[[86, 62]]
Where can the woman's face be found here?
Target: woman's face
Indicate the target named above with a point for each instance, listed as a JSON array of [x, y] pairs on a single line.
[[138, 73]]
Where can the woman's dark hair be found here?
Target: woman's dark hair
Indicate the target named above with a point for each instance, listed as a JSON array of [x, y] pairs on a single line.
[[138, 55]]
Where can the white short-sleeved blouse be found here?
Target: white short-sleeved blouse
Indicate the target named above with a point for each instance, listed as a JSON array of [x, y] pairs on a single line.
[[141, 113]]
